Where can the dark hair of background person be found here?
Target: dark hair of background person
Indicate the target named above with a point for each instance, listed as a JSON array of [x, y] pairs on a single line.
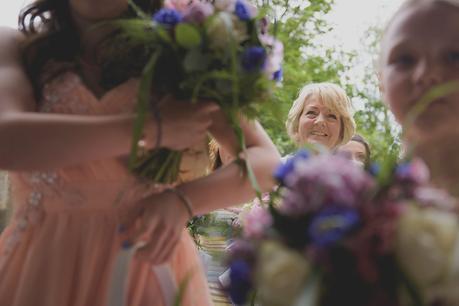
[[360, 139], [50, 34]]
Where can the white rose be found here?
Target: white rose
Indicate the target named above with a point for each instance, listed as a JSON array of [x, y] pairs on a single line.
[[447, 290], [223, 28], [281, 274], [425, 243]]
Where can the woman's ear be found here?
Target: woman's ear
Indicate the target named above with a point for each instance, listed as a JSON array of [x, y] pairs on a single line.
[[296, 138], [380, 83]]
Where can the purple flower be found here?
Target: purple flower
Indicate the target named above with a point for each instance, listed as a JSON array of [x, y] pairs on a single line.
[[240, 276], [332, 224], [242, 10], [286, 168], [278, 75], [167, 17], [273, 67], [321, 180], [374, 169], [264, 25], [414, 171], [198, 12], [253, 58], [256, 222]]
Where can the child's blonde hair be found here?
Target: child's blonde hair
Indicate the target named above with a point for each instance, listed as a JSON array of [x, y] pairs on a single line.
[[334, 98]]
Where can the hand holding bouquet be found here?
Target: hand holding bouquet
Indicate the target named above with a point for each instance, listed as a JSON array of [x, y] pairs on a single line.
[[200, 50]]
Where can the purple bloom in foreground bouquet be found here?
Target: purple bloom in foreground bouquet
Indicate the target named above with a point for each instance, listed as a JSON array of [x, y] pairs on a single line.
[[200, 50], [338, 235]]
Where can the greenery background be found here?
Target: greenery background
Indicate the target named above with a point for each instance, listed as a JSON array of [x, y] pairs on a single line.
[[298, 26]]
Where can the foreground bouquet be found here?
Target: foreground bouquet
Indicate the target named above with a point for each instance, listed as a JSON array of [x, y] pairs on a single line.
[[214, 50], [334, 234]]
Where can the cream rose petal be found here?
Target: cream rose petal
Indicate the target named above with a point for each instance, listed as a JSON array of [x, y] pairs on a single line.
[[281, 274]]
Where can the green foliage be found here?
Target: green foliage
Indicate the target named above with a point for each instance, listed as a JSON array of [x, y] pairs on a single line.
[[375, 121], [299, 24]]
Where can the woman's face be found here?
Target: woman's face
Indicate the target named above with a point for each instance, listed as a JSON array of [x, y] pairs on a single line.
[[97, 10], [318, 124], [419, 52], [355, 151]]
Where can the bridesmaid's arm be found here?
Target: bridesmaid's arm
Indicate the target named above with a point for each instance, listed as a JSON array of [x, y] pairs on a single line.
[[228, 186], [37, 141], [164, 215]]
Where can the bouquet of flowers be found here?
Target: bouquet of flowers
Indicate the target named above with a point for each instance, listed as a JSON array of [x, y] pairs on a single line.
[[335, 234], [195, 49]]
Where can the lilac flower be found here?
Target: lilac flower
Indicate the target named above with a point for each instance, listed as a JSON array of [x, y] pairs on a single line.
[[240, 276], [198, 12], [332, 224], [322, 180], [273, 67], [179, 5], [253, 58], [256, 222], [286, 168], [167, 17], [264, 25], [245, 11], [429, 196]]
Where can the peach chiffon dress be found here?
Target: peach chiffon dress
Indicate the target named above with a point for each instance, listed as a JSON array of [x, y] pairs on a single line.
[[61, 243]]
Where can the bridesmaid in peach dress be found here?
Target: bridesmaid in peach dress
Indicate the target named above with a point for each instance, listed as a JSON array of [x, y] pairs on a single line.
[[64, 144]]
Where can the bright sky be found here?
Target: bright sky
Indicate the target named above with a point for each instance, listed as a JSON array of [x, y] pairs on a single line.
[[350, 18]]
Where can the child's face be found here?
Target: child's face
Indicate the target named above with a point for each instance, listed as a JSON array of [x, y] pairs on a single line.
[[419, 51], [318, 124], [355, 151]]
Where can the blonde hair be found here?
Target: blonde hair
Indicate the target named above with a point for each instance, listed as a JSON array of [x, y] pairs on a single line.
[[334, 98]]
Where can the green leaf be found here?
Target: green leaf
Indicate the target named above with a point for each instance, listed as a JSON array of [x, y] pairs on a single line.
[[163, 34], [142, 105], [187, 36]]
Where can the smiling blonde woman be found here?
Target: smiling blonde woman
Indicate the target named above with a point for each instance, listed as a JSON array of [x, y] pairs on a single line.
[[321, 114]]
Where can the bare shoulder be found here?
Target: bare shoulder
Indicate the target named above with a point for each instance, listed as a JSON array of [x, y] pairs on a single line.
[[16, 92], [10, 44]]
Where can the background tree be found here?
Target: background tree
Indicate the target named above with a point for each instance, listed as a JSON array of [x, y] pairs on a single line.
[[299, 25]]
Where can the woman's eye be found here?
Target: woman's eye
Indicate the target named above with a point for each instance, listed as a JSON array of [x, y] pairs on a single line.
[[361, 157], [453, 57], [404, 60], [332, 116], [311, 113]]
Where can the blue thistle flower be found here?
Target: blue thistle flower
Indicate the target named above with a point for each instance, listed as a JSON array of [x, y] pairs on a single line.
[[240, 281], [253, 58], [286, 168], [168, 17], [242, 11], [374, 169], [278, 75], [332, 224]]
